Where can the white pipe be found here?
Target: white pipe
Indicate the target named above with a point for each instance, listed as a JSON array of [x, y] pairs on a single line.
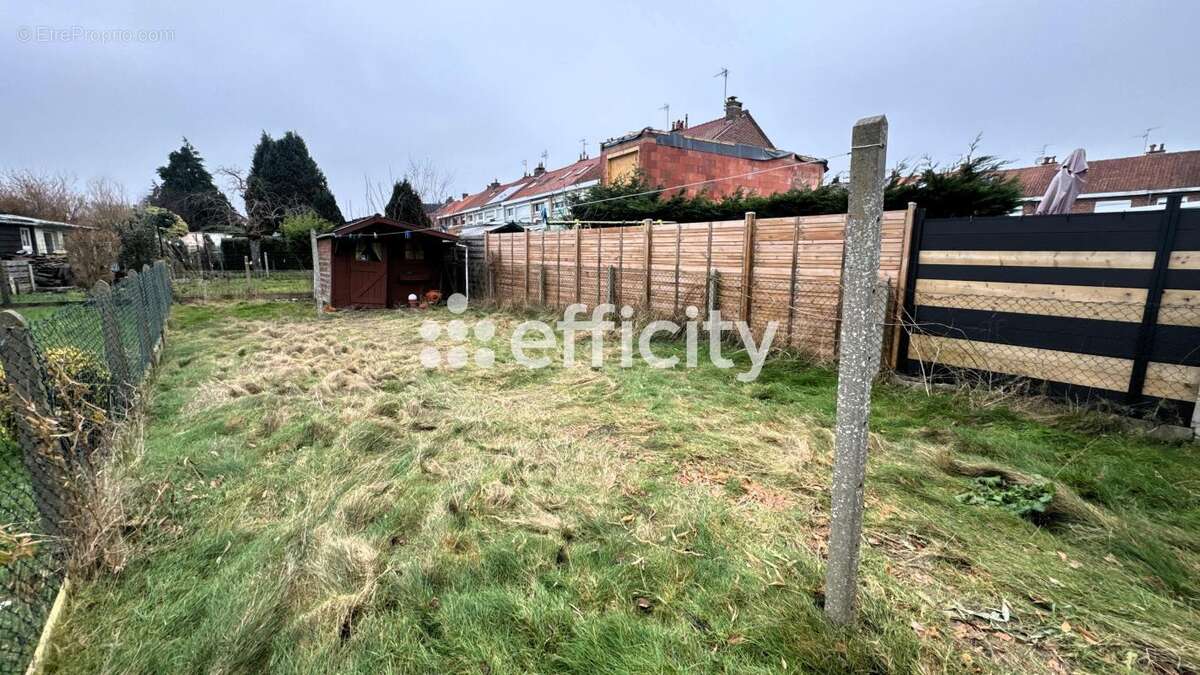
[[466, 269]]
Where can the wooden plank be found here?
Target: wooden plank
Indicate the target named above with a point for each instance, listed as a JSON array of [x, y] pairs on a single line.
[[999, 289], [747, 266], [1140, 260], [791, 298], [578, 264], [897, 316], [678, 234], [1184, 260], [648, 230], [1180, 308], [1166, 380], [1100, 372]]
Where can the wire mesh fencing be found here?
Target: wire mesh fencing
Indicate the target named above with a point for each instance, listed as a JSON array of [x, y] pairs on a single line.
[[1087, 351], [200, 285], [67, 378]]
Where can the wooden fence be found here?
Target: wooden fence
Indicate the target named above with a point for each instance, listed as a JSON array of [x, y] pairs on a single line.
[[1088, 305], [770, 269]]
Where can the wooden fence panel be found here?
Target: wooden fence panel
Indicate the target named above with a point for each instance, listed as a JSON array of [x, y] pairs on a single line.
[[795, 272], [1088, 305]]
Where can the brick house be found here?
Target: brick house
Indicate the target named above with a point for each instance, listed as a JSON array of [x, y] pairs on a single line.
[[733, 148], [1119, 184]]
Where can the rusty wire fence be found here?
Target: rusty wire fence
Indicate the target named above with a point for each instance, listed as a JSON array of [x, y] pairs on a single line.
[[68, 377]]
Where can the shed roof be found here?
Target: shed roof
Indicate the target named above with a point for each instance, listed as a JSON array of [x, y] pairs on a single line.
[[377, 220], [26, 221]]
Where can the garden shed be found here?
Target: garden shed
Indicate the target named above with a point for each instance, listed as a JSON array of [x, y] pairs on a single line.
[[377, 262]]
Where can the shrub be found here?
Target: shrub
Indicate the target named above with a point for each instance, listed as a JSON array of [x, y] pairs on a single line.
[[140, 235], [296, 227], [91, 254]]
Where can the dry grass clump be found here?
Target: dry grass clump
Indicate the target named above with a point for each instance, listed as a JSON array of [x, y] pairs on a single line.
[[364, 504], [341, 573]]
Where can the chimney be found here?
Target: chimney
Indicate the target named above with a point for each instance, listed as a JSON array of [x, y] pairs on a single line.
[[1156, 149], [466, 194], [539, 169], [494, 184], [677, 125], [1049, 159], [733, 108]]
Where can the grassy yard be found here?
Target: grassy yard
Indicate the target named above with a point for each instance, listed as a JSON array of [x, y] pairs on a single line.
[[310, 499], [296, 282]]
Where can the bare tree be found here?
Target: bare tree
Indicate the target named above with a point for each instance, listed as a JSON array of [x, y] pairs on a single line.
[[37, 195], [428, 179], [107, 204], [263, 209]]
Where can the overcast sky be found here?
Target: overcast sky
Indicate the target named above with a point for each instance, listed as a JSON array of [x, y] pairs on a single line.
[[480, 87]]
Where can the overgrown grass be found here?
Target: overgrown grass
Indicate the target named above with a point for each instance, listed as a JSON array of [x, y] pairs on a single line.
[[320, 502]]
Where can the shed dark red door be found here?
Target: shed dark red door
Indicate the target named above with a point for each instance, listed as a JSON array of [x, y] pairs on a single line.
[[368, 276]]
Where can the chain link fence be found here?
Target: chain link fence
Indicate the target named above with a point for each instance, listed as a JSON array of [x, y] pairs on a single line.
[[200, 285], [67, 377], [1102, 352]]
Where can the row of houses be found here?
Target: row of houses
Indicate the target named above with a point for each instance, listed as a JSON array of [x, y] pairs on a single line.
[[1119, 184], [719, 157]]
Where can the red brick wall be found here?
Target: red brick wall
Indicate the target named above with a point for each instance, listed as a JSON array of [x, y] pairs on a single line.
[[667, 166], [325, 259]]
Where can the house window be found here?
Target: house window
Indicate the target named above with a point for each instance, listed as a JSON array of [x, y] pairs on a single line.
[[1113, 205], [413, 251], [26, 240], [1018, 211], [56, 238]]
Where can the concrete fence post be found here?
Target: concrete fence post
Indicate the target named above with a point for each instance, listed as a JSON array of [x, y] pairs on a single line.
[[860, 341], [541, 282], [114, 350], [610, 280], [26, 378]]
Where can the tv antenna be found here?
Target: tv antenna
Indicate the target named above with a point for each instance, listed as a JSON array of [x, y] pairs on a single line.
[[1042, 153], [545, 158], [583, 148], [1145, 136], [667, 107], [525, 167], [725, 87]]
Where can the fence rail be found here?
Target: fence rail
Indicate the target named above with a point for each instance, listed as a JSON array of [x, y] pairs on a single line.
[[66, 378]]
